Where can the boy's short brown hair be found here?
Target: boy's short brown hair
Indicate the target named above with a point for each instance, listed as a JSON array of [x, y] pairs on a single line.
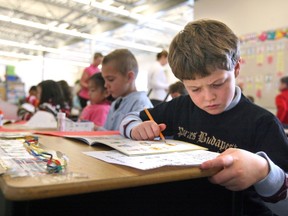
[[123, 60], [97, 55], [202, 47]]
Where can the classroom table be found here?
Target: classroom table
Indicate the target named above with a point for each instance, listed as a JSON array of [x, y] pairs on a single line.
[[90, 186]]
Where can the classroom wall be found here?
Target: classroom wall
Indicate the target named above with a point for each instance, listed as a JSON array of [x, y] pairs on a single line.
[[245, 16], [262, 68], [34, 71]]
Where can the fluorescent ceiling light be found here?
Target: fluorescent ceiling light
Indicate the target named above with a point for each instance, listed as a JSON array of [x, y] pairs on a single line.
[[5, 18], [53, 23], [75, 34], [110, 8], [105, 7], [43, 49], [108, 2], [136, 16], [69, 62], [19, 55], [28, 46], [29, 23], [8, 62], [140, 8], [40, 58], [66, 32], [64, 25], [132, 45], [87, 2]]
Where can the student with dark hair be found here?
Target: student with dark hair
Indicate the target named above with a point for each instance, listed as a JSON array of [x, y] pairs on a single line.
[[157, 79], [253, 162], [32, 97], [119, 70], [87, 73], [67, 93], [177, 89], [51, 98], [281, 101], [29, 106], [99, 106]]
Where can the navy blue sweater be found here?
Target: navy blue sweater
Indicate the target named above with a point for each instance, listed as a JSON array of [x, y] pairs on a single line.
[[246, 126]]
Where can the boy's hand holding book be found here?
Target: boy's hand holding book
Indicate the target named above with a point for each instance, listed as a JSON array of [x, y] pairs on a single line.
[[239, 169]]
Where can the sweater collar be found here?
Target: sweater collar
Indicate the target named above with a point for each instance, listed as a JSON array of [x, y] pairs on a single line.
[[236, 99]]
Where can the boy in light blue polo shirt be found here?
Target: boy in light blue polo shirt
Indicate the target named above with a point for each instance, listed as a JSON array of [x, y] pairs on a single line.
[[119, 70]]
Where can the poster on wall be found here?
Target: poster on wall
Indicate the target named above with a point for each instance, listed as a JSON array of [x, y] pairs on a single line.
[[263, 64]]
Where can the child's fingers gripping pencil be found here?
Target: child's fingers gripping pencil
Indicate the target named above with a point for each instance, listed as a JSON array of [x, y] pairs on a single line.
[[151, 118]]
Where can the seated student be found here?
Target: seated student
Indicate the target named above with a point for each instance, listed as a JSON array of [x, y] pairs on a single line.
[[205, 57], [67, 93], [119, 70], [99, 106], [75, 99], [32, 97], [177, 89], [281, 102], [51, 98], [29, 105], [51, 102]]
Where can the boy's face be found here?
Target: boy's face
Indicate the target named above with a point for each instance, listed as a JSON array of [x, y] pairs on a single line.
[[215, 92], [118, 85]]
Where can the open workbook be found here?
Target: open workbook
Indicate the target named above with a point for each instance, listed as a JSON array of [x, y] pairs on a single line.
[[143, 147]]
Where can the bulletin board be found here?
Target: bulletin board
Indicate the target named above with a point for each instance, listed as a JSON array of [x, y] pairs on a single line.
[[263, 64]]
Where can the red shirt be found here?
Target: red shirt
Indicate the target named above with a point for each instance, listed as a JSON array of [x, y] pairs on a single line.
[[32, 100], [282, 106]]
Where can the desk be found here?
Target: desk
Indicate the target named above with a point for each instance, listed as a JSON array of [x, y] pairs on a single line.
[[88, 180]]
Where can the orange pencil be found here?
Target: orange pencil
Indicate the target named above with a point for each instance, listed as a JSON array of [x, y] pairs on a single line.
[[151, 118]]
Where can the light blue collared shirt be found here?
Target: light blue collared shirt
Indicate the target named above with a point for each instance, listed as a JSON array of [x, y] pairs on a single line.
[[135, 101]]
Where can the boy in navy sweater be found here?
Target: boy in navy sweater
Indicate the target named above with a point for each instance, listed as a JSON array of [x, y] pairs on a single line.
[[205, 56]]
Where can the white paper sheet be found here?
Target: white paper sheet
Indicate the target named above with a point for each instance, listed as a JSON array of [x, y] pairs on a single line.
[[190, 158]]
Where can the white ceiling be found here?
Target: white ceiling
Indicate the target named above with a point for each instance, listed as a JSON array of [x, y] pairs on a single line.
[[73, 29]]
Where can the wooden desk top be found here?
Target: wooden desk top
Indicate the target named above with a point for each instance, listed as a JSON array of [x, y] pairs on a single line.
[[86, 174]]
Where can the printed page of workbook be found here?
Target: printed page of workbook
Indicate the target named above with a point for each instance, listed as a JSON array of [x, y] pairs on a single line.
[[140, 147], [147, 147]]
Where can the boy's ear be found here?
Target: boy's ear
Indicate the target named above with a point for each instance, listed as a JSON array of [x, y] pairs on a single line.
[[237, 69], [131, 76]]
